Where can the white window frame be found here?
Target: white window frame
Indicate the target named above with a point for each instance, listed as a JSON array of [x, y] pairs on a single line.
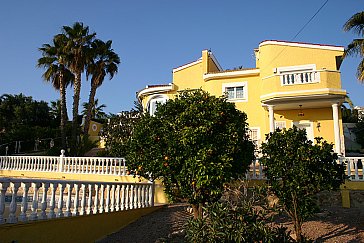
[[281, 71], [161, 99], [235, 85], [283, 123], [256, 141]]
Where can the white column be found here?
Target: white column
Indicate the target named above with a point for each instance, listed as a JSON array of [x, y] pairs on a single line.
[[335, 115], [3, 187], [271, 118], [24, 204]]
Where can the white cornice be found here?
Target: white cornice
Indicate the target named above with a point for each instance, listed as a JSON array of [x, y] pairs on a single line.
[[307, 45], [152, 90], [237, 73], [303, 92], [187, 65]]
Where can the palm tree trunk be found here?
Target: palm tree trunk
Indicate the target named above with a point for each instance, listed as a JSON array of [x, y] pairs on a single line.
[[76, 102], [91, 101], [62, 90]]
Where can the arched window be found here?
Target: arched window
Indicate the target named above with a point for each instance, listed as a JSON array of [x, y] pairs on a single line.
[[154, 102]]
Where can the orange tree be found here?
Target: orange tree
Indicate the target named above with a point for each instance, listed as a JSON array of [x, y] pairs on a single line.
[[297, 169], [194, 144]]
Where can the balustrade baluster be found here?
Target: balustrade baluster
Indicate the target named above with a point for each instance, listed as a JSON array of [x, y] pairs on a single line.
[[75, 201], [68, 213], [112, 206], [89, 200], [61, 187], [356, 169], [139, 196], [43, 214], [3, 187], [34, 207], [96, 169], [102, 190], [96, 201], [151, 194], [131, 198], [52, 204], [122, 206], [12, 208], [117, 195], [24, 203], [83, 200], [349, 168], [142, 196], [102, 166], [87, 162], [126, 197], [107, 205]]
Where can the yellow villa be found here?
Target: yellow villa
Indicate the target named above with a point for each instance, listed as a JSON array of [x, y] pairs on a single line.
[[292, 84]]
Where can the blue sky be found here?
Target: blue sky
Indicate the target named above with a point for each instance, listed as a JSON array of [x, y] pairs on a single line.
[[153, 37]]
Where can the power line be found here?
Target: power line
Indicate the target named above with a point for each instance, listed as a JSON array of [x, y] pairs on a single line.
[[303, 27]]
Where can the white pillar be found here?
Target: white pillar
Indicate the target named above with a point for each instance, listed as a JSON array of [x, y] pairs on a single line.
[[271, 118], [335, 115]]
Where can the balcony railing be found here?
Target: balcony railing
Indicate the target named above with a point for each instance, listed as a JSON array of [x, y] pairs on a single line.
[[354, 169], [300, 78], [23, 200], [79, 165]]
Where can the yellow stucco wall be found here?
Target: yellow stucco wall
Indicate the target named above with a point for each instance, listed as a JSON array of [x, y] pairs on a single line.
[[87, 228]]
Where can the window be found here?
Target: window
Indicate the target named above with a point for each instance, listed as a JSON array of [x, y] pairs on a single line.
[[254, 136], [154, 102], [280, 125], [235, 91]]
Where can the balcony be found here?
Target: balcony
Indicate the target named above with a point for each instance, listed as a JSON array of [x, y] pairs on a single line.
[[300, 78]]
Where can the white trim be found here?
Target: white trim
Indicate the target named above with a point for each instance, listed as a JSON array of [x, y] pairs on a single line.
[[155, 89], [294, 44], [209, 76], [302, 91], [186, 65], [298, 68], [237, 84], [215, 61], [156, 97]]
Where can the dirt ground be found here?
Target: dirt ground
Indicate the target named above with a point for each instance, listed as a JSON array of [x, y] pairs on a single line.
[[332, 224]]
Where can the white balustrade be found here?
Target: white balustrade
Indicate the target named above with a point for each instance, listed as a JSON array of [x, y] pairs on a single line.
[[294, 78], [95, 198], [78, 165]]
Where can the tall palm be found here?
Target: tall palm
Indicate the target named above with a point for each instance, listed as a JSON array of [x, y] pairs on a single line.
[[97, 111], [104, 62], [78, 45], [54, 61], [356, 47]]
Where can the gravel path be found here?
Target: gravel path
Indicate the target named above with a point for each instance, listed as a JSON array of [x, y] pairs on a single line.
[[165, 222], [333, 224]]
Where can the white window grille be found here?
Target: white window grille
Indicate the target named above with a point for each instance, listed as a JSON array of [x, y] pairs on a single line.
[[235, 91], [280, 125]]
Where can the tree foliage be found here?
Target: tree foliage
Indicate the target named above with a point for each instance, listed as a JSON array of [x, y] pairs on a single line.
[[117, 132], [356, 47], [297, 169], [194, 143], [24, 119]]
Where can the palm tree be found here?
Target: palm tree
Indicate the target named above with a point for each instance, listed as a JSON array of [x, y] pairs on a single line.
[[54, 61], [356, 47], [104, 62], [97, 111], [77, 47]]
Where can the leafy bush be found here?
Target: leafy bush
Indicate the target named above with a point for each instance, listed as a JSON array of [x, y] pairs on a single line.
[[238, 217], [297, 169]]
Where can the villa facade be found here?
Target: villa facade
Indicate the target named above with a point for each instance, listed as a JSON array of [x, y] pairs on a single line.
[[292, 84]]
